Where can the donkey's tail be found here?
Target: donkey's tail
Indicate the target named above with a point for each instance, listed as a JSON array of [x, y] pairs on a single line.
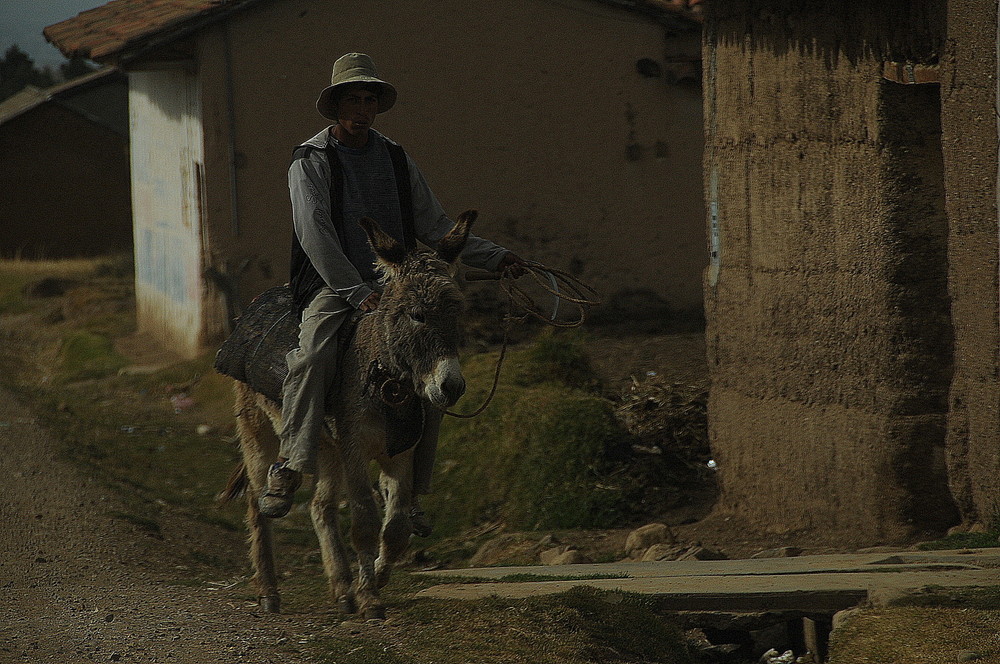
[[236, 486]]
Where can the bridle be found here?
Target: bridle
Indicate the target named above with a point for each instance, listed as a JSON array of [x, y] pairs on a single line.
[[395, 392]]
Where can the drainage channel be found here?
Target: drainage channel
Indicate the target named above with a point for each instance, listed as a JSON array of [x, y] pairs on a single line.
[[742, 628], [744, 606], [737, 638], [736, 627]]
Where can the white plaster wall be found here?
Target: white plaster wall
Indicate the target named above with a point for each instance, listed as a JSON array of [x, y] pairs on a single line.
[[166, 153]]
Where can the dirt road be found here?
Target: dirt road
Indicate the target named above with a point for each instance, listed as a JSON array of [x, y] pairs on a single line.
[[79, 586]]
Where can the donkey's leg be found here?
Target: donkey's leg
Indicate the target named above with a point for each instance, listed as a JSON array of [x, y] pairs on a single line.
[[324, 506], [396, 483], [258, 444], [365, 524]]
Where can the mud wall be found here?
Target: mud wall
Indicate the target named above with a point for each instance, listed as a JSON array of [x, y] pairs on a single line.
[[969, 125], [533, 112], [829, 336]]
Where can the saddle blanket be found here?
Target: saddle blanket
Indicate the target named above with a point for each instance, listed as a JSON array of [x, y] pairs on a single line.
[[255, 354]]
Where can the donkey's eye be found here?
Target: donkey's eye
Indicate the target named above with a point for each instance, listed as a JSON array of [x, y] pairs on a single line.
[[417, 317]]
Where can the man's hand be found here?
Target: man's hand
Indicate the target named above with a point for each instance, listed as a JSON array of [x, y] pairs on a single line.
[[370, 303], [512, 264]]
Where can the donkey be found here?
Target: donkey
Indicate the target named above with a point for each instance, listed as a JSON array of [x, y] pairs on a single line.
[[401, 359]]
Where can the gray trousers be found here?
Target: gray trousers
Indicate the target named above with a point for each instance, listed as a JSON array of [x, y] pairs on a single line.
[[312, 370]]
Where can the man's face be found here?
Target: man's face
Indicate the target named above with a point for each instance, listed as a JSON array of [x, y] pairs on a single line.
[[356, 109]]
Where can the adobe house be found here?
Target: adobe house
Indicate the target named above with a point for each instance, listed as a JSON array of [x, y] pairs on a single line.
[[574, 128], [65, 169], [852, 291]]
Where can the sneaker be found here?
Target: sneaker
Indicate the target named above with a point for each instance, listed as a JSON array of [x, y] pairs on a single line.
[[418, 520], [282, 482]]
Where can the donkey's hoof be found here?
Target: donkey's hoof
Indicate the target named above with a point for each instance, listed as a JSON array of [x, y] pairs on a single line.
[[347, 605], [374, 613], [271, 603]]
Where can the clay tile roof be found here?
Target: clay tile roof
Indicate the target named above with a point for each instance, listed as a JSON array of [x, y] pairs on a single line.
[[122, 24], [676, 12]]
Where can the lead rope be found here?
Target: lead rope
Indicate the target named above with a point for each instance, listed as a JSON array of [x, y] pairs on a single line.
[[573, 291]]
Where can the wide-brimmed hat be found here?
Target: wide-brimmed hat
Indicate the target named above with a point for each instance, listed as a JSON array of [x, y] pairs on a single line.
[[354, 69]]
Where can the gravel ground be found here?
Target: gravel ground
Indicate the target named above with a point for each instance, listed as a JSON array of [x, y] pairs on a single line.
[[80, 586]]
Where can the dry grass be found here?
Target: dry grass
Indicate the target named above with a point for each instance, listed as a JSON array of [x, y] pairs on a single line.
[[919, 635], [51, 267], [933, 626]]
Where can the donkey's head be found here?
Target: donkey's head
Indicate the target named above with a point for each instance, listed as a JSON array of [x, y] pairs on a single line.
[[417, 318]]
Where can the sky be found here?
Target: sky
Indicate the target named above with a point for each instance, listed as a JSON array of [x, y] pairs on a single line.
[[21, 23]]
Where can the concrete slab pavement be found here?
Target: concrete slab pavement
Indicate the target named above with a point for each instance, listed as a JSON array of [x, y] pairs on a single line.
[[806, 583]]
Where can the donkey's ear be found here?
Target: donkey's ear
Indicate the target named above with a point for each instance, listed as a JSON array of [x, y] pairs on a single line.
[[451, 245], [384, 245]]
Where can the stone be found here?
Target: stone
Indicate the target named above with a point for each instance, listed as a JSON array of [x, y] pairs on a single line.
[[780, 552], [642, 538], [572, 557], [701, 553], [721, 651], [550, 556], [661, 552], [562, 555], [49, 287]]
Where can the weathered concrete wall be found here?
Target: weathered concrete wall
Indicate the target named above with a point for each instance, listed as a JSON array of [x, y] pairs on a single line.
[[63, 197], [968, 93], [530, 111], [829, 336]]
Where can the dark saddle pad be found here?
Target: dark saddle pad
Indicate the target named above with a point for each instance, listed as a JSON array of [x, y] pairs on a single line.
[[255, 351], [255, 354]]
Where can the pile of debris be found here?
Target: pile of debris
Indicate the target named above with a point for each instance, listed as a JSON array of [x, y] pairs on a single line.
[[669, 460], [667, 418]]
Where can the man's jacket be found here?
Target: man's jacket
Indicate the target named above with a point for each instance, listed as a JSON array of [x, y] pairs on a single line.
[[329, 247]]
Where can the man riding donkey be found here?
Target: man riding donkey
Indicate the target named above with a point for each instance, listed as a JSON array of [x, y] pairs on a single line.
[[346, 172]]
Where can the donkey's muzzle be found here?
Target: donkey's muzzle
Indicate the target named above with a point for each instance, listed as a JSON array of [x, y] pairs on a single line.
[[453, 390], [446, 384]]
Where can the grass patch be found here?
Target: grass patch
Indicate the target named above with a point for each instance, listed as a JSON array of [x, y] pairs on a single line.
[[17, 274], [134, 440], [417, 582], [535, 578], [86, 355], [963, 541], [12, 300], [541, 456], [985, 598]]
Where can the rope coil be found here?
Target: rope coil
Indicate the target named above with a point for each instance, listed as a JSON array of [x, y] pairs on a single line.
[[562, 286]]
